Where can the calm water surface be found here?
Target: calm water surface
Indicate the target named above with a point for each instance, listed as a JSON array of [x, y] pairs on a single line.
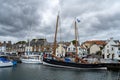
[[41, 72]]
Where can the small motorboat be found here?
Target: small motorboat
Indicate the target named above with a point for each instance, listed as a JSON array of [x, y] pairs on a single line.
[[31, 58], [4, 62]]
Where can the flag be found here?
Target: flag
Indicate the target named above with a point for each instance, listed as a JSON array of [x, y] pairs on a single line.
[[78, 20]]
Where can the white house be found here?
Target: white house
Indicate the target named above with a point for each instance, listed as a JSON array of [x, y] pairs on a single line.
[[110, 50], [28, 48], [2, 48], [60, 50], [116, 54], [71, 48]]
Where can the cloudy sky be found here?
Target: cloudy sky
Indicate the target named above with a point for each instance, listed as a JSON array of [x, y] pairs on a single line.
[[23, 19]]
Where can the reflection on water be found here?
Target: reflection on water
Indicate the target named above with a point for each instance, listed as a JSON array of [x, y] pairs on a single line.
[[41, 72]]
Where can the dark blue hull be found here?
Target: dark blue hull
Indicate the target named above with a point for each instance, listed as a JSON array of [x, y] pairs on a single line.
[[52, 62]]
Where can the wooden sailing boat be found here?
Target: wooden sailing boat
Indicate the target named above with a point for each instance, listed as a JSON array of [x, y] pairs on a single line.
[[58, 62]]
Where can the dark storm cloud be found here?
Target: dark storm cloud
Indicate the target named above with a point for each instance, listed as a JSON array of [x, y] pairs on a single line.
[[99, 18], [17, 16], [105, 23]]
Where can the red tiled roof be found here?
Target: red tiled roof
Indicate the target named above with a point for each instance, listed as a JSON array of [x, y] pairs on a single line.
[[98, 42]]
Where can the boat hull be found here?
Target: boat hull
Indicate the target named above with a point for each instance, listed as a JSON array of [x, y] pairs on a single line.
[[31, 61], [6, 64], [56, 63], [113, 66]]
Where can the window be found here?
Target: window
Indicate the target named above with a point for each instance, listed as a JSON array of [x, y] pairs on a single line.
[[112, 49], [73, 49], [103, 50], [119, 55], [107, 50], [68, 49], [107, 56], [112, 56], [118, 48]]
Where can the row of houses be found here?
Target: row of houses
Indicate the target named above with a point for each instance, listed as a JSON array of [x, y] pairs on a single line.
[[107, 49], [35, 45]]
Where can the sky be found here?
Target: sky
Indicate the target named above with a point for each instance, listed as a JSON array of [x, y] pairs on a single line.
[[28, 19]]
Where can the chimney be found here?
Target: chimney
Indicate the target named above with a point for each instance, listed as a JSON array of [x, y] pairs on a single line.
[[111, 38]]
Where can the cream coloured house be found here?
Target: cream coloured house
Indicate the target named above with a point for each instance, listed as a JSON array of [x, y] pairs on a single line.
[[60, 50], [94, 49], [94, 46]]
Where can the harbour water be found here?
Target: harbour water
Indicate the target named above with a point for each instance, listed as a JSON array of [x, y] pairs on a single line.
[[42, 72]]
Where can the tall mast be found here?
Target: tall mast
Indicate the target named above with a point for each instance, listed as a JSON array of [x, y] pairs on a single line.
[[76, 37], [28, 45], [55, 42], [29, 38]]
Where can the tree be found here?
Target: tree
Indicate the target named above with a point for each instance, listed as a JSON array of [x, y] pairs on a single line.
[[74, 41], [21, 42]]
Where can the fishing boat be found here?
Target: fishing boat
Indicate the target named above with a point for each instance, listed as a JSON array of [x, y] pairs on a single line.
[[53, 60], [31, 57]]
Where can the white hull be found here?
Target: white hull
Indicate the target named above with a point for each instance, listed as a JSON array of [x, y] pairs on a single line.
[[31, 61], [36, 59], [6, 64], [70, 67]]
